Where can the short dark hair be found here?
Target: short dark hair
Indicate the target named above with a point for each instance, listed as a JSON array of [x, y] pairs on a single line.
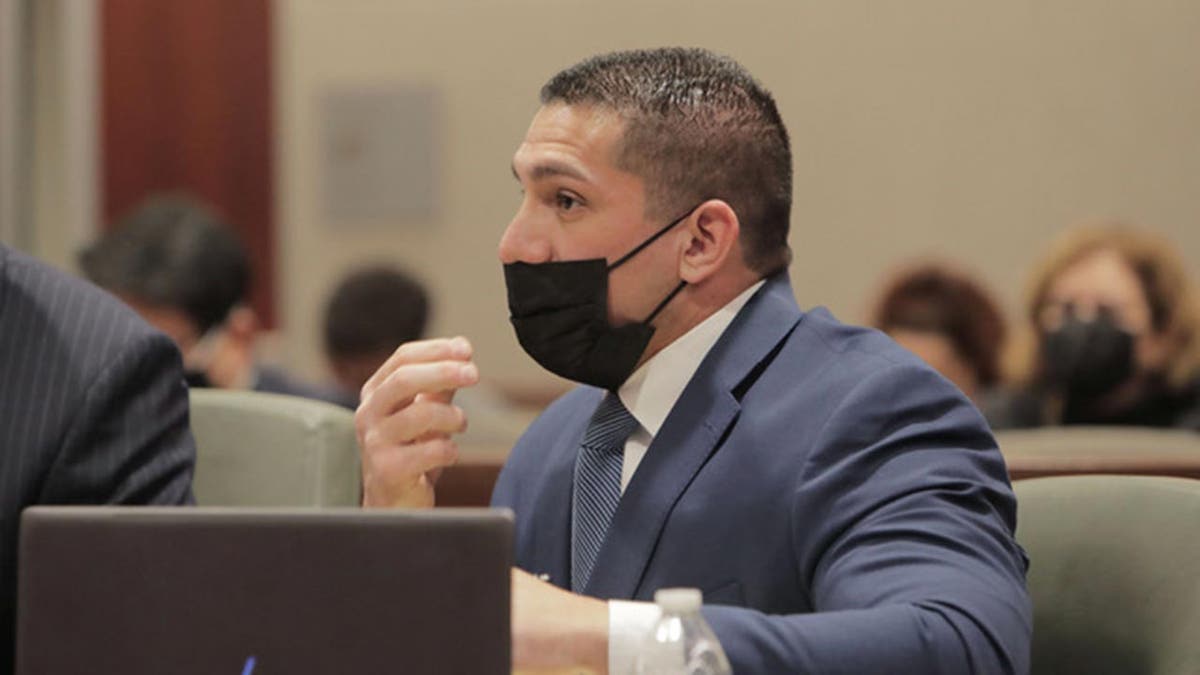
[[932, 298], [697, 126], [373, 310], [173, 252]]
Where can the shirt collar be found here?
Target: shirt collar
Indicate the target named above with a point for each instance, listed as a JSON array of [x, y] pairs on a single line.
[[652, 390]]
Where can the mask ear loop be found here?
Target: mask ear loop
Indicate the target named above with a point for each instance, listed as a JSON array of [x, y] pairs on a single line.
[[665, 301], [638, 249]]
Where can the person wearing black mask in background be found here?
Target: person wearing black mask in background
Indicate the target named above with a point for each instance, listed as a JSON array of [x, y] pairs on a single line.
[[1113, 336]]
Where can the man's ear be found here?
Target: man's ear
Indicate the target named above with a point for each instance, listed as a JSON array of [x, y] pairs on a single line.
[[712, 238]]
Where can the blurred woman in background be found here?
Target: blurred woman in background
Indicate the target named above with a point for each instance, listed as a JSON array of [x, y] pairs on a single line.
[[949, 320], [1112, 336]]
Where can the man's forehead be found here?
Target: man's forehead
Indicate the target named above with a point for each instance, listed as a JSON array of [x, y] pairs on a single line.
[[591, 118], [563, 136]]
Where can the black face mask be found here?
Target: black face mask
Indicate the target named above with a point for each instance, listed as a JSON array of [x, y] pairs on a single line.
[[560, 313], [1084, 360]]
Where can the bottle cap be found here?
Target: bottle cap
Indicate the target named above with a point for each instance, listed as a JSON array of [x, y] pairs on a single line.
[[678, 599]]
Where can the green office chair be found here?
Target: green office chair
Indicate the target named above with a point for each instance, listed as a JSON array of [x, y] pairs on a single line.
[[1115, 573], [256, 449]]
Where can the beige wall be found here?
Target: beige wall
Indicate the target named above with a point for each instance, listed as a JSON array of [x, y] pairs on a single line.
[[12, 154], [57, 210], [971, 130]]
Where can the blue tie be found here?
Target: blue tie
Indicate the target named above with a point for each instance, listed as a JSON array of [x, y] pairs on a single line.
[[597, 484]]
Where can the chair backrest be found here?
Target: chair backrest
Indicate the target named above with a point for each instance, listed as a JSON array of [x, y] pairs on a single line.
[[1050, 451], [1114, 573], [470, 481], [256, 449]]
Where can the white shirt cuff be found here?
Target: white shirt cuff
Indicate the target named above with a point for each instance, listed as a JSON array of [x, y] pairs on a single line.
[[628, 624]]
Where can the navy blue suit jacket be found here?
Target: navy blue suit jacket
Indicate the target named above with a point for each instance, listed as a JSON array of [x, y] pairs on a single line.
[[843, 507], [93, 408]]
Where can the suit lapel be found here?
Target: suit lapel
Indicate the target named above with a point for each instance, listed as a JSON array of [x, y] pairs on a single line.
[[688, 437]]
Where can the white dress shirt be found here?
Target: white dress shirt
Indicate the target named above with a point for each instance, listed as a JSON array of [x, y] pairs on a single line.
[[649, 394]]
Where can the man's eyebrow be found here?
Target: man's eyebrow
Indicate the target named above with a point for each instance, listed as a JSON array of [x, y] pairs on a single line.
[[549, 169]]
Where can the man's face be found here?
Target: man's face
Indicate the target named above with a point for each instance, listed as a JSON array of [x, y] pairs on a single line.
[[576, 204]]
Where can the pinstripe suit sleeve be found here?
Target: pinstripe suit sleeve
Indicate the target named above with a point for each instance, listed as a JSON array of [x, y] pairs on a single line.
[[129, 441], [93, 409]]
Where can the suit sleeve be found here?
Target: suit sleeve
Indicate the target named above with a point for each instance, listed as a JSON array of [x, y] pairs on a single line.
[[912, 567], [129, 442]]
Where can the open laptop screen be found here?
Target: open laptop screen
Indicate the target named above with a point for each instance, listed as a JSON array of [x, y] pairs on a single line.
[[263, 592]]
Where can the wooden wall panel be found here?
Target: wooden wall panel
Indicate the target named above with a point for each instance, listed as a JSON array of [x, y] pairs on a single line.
[[186, 105]]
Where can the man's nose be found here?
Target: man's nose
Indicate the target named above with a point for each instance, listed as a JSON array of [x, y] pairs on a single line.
[[524, 242]]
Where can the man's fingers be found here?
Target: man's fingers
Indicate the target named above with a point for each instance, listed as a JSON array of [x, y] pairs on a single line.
[[420, 351], [441, 377], [405, 421], [398, 474], [406, 382], [420, 419], [407, 463], [439, 396]]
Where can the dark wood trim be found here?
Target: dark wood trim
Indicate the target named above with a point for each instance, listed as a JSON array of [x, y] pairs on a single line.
[[186, 105]]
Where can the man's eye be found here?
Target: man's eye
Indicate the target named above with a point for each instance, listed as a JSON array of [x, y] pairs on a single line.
[[565, 201]]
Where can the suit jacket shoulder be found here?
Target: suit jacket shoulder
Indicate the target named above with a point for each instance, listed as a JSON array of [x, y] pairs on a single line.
[[81, 370]]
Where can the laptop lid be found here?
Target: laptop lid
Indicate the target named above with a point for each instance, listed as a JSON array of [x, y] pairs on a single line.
[[136, 590]]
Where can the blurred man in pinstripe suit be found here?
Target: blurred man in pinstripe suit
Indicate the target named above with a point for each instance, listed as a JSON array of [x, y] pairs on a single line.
[[93, 407]]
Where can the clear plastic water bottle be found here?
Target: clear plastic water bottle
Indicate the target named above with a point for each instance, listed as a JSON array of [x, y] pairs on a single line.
[[681, 643]]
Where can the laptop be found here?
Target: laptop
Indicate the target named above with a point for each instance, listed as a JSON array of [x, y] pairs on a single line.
[[150, 591]]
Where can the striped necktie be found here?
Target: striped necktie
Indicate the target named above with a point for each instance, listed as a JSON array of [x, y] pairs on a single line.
[[597, 484]]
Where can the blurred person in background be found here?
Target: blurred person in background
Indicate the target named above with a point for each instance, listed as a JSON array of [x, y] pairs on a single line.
[[1112, 336], [375, 309], [179, 266], [371, 311], [948, 319]]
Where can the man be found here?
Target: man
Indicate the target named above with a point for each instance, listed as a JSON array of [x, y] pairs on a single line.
[[371, 311], [93, 408], [843, 507], [185, 272]]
